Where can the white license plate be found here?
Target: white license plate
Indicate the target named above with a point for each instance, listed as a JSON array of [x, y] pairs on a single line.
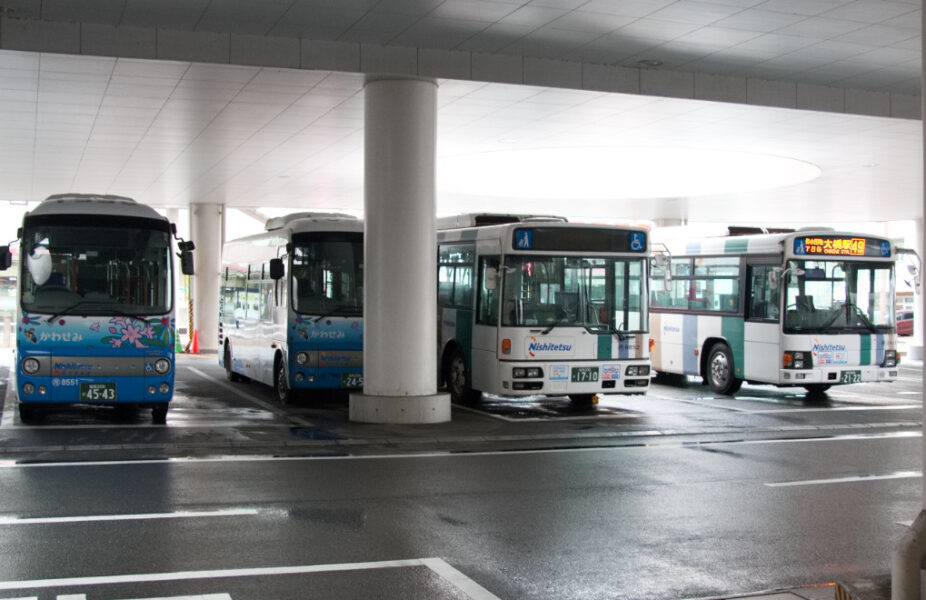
[[97, 392]]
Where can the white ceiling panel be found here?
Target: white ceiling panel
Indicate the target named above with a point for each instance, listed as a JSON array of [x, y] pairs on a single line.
[[170, 133]]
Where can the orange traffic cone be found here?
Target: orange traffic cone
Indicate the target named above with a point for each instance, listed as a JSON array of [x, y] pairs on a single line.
[[194, 343]]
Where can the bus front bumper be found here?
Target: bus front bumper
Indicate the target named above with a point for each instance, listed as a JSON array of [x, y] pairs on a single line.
[[837, 375]]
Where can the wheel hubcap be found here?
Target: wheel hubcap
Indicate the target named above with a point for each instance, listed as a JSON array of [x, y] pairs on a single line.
[[720, 369], [281, 383], [457, 376]]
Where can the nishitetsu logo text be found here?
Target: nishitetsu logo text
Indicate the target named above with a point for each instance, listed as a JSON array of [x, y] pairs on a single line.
[[536, 346]]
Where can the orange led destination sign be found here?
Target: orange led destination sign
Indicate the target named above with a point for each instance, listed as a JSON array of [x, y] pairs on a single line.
[[827, 245], [835, 246]]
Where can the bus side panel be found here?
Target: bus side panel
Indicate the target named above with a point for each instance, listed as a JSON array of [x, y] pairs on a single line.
[[485, 357], [707, 327], [762, 352], [666, 331], [733, 332]]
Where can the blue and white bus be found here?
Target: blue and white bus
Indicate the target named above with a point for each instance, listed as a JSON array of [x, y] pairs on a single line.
[[291, 305], [96, 305], [807, 308], [540, 306]]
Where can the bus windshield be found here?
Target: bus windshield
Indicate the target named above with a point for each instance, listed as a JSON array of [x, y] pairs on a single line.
[[327, 274], [91, 270], [839, 296], [602, 294]]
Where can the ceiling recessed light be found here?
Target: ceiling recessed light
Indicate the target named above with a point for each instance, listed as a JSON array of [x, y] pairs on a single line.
[[650, 62]]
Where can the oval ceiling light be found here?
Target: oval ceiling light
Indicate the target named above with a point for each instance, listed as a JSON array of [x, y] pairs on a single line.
[[614, 172]]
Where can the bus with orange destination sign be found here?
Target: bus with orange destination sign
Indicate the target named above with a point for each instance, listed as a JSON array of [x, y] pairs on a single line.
[[809, 309]]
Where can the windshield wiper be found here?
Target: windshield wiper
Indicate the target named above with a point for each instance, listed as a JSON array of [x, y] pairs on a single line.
[[620, 333], [858, 312], [67, 311]]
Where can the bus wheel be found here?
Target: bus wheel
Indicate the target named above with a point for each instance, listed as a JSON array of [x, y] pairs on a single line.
[[281, 383], [455, 376], [159, 415], [816, 390], [582, 400], [227, 363], [720, 371], [29, 413]]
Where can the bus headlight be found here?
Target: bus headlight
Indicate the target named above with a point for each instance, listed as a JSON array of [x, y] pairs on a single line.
[[162, 366], [890, 358], [31, 366], [527, 373], [164, 388], [796, 360], [637, 370], [302, 358]]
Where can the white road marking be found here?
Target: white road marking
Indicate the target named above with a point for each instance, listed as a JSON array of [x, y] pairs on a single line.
[[662, 444], [438, 566], [253, 399], [851, 479], [183, 514], [9, 400]]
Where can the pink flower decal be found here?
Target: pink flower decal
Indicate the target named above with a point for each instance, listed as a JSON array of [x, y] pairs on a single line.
[[132, 332]]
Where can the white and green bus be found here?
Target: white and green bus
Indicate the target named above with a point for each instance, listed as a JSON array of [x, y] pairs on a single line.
[[809, 308], [542, 307]]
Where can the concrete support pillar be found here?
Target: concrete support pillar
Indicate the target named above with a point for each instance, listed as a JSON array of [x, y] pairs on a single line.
[[400, 256], [909, 552], [206, 227], [915, 344]]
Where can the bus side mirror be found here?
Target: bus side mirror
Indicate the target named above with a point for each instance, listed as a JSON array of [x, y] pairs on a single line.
[[186, 262], [663, 260], [774, 275], [491, 278], [186, 257], [6, 258], [276, 268]]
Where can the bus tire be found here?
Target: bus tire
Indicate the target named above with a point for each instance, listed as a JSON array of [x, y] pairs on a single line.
[[281, 382], [455, 376], [159, 415], [720, 371], [582, 400], [29, 413], [816, 390], [227, 363]]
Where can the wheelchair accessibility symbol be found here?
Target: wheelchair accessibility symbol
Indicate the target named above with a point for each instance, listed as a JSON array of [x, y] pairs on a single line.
[[524, 240], [637, 242]]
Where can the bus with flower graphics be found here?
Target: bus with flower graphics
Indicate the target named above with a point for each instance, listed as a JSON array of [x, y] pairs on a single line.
[[540, 306], [96, 305], [291, 305]]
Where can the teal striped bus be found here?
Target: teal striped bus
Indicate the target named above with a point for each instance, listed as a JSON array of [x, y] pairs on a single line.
[[809, 308], [541, 306]]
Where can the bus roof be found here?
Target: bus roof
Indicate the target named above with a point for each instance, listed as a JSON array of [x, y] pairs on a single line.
[[315, 217], [541, 237], [488, 219], [94, 204]]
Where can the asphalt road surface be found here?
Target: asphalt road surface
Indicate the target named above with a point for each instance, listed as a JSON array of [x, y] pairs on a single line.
[[677, 494]]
